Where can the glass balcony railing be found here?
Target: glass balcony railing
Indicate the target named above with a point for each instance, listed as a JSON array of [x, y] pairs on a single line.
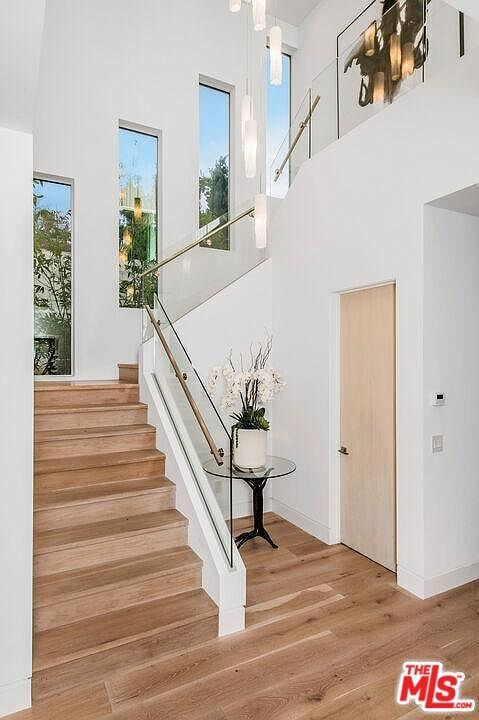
[[388, 50]]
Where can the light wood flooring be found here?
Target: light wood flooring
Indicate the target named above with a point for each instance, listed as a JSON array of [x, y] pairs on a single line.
[[327, 632]]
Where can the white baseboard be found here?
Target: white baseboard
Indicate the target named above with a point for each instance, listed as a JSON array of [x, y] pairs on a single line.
[[15, 697], [313, 527], [428, 587], [410, 581], [231, 621]]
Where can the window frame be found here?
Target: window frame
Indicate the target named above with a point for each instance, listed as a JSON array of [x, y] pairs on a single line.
[[61, 180], [230, 90], [158, 134]]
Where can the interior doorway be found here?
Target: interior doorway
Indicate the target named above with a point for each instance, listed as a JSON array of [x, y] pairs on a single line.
[[368, 422]]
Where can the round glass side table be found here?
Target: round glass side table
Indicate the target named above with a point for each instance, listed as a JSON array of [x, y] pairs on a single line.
[[257, 479]]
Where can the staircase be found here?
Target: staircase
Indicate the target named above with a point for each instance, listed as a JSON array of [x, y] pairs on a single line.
[[115, 583]]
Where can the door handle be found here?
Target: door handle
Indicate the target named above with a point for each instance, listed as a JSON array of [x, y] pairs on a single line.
[[343, 450]]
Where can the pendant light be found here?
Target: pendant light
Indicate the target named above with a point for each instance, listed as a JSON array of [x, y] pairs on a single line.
[[259, 14], [276, 55], [261, 221], [395, 55], [370, 40], [407, 59], [235, 5], [246, 113], [379, 87], [250, 148]]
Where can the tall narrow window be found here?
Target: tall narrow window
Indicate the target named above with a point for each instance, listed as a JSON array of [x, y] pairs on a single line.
[[52, 264], [278, 124], [214, 180], [138, 214]]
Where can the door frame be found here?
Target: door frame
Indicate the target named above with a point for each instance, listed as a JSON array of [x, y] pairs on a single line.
[[335, 407]]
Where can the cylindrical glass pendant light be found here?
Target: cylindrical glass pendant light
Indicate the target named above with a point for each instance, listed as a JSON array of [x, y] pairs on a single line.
[[250, 148], [276, 55], [246, 113], [259, 14], [261, 221], [379, 87], [235, 5], [395, 56], [370, 40], [407, 59]]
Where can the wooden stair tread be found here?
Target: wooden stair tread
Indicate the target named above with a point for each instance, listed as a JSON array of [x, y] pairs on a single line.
[[51, 589], [86, 462], [102, 491], [42, 436], [66, 410], [86, 637], [80, 385], [133, 366], [64, 538]]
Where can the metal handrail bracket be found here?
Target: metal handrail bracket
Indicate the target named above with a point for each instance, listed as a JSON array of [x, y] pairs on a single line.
[[302, 128], [217, 453]]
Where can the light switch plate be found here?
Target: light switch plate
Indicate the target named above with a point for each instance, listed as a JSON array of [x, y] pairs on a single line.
[[437, 443]]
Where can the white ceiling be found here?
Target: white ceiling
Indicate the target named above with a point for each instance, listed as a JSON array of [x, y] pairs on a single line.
[[465, 201], [291, 11]]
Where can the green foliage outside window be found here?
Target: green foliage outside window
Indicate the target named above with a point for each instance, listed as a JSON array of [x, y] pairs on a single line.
[[214, 201], [52, 289]]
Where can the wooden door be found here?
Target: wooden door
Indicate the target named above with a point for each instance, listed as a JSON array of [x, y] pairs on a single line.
[[368, 423]]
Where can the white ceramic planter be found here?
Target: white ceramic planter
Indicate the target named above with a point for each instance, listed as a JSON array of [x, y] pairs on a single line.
[[249, 448]]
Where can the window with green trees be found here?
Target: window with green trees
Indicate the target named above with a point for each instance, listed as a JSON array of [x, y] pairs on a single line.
[[52, 279], [214, 153], [138, 215]]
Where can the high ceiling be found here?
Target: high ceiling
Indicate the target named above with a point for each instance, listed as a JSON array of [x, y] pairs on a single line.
[[291, 11]]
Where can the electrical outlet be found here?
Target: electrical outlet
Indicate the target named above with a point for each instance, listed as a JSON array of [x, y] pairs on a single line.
[[437, 443]]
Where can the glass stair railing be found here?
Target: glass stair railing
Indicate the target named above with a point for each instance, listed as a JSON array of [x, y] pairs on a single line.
[[379, 60], [198, 267], [191, 274]]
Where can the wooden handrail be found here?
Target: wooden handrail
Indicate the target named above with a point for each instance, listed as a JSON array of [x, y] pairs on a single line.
[[217, 453], [297, 138], [195, 243]]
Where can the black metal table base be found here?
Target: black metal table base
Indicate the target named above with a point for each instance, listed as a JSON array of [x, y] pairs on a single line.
[[259, 529]]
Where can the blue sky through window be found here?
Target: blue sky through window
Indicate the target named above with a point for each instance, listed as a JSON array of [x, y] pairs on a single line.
[[214, 126], [278, 122], [55, 196]]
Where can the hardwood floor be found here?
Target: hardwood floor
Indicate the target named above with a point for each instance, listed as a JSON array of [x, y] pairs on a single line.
[[327, 632]]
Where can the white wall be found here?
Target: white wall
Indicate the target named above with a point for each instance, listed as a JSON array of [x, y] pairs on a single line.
[[232, 320], [107, 60], [451, 362], [21, 27], [352, 218], [16, 391]]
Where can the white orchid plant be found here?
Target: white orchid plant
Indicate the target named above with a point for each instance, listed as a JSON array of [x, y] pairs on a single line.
[[247, 389]]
